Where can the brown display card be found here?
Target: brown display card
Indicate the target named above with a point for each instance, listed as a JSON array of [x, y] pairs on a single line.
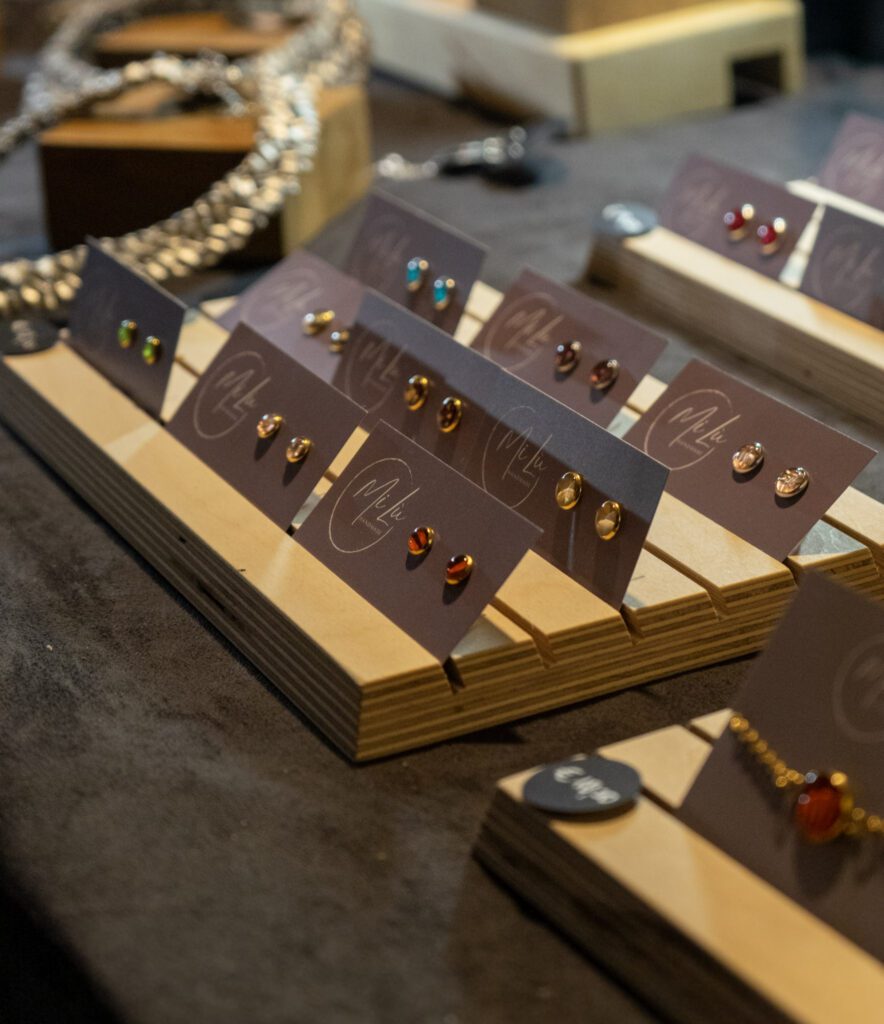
[[846, 267], [218, 422], [536, 314], [110, 293], [855, 164], [277, 303], [512, 440], [703, 191], [392, 234], [816, 695], [705, 415], [360, 531]]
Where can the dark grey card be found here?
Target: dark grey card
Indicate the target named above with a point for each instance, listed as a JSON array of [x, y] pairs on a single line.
[[512, 440], [537, 314], [846, 266], [855, 164], [112, 293], [249, 378], [816, 695], [391, 235], [360, 531], [277, 303]]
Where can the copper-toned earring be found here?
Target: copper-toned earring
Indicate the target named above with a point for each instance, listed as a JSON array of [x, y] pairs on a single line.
[[567, 356], [458, 569], [603, 374], [792, 482], [420, 540], [748, 457]]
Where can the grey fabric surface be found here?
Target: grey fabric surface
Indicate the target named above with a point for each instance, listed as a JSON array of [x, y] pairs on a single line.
[[198, 846]]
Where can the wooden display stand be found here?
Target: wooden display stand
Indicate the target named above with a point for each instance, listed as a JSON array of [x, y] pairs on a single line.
[[693, 932], [699, 594], [139, 166], [581, 15], [618, 76], [793, 335]]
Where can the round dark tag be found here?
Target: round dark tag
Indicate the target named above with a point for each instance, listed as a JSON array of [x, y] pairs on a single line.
[[625, 220], [583, 785], [26, 335]]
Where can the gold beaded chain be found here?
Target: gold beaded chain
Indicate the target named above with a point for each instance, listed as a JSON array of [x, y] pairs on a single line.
[[842, 817]]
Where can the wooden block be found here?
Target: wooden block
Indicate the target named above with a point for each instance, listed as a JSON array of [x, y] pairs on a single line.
[[580, 15], [695, 933], [605, 79], [793, 335], [137, 171]]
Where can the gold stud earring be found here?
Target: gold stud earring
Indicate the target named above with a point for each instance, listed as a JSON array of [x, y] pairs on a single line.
[[458, 569], [603, 374], [298, 449], [450, 414], [567, 356], [337, 340], [608, 519], [792, 482], [126, 333], [748, 457], [416, 273], [317, 321], [569, 488], [268, 425], [151, 350], [420, 540], [443, 292], [416, 391]]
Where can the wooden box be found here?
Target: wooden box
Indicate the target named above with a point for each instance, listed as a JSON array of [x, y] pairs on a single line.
[[581, 15], [609, 78], [693, 932]]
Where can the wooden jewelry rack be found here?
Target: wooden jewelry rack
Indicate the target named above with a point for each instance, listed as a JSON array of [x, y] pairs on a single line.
[[691, 930], [699, 594], [795, 336]]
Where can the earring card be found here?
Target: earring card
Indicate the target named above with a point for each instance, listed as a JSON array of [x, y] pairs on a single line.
[[854, 166], [393, 233], [112, 292], [846, 266], [276, 304], [218, 421], [705, 415], [816, 695], [538, 314], [513, 441], [703, 191], [360, 531]]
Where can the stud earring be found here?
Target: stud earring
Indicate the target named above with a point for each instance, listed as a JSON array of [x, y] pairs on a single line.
[[416, 273], [567, 356], [458, 569], [416, 391], [608, 518], [151, 350], [748, 457], [450, 414], [268, 425], [317, 321], [736, 222], [443, 291], [569, 488], [603, 374], [770, 235], [126, 333], [420, 540], [792, 482], [298, 449], [337, 340]]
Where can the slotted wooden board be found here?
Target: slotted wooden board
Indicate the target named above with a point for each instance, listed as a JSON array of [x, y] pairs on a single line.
[[768, 321], [695, 933], [699, 594]]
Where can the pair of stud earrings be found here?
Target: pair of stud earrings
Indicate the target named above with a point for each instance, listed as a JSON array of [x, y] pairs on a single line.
[[450, 412], [127, 336], [458, 569], [769, 234], [601, 376], [608, 516], [319, 321], [298, 447], [416, 271], [790, 483]]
